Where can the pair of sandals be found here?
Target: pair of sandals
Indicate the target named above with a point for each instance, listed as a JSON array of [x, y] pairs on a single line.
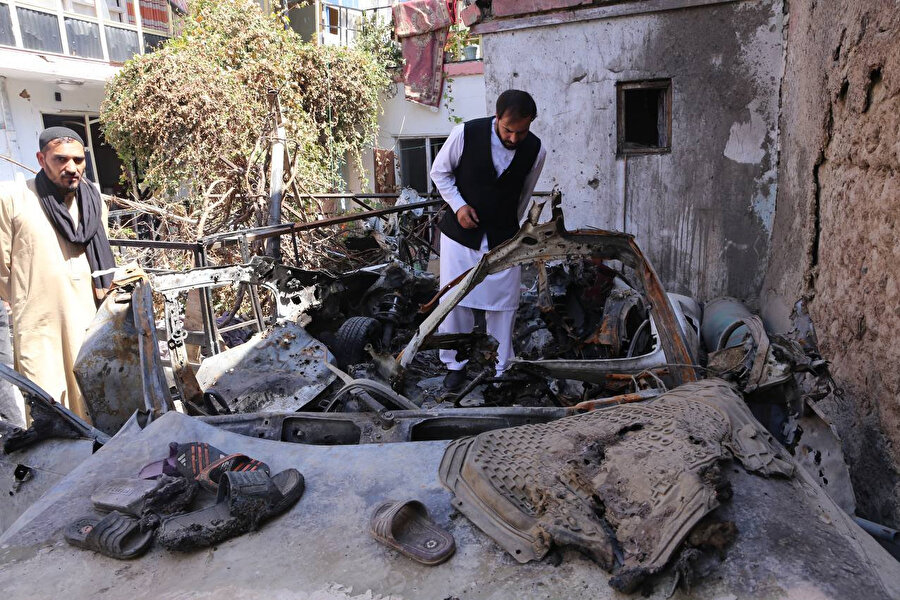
[[246, 497]]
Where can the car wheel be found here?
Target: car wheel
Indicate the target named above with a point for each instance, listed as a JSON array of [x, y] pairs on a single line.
[[352, 337]]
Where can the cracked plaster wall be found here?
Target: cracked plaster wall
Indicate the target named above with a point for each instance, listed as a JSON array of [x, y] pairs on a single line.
[[835, 238], [702, 213]]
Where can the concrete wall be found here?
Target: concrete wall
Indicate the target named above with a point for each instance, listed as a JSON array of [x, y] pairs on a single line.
[[835, 234], [303, 21], [704, 212]]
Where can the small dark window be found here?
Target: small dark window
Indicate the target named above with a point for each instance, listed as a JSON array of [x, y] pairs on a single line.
[[644, 115], [416, 158], [153, 42], [332, 19]]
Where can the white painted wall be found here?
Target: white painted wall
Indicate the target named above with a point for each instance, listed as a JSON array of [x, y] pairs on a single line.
[[401, 118], [28, 100]]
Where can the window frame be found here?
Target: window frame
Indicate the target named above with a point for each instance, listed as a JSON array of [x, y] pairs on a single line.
[[665, 85], [429, 158], [101, 18]]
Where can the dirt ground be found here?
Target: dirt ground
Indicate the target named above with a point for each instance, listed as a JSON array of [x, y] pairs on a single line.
[[840, 191]]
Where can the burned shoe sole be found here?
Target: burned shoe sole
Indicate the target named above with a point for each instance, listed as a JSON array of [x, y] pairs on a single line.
[[625, 485], [245, 501], [134, 496]]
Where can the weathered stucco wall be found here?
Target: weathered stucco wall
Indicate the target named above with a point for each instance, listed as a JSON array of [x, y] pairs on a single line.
[[835, 238], [703, 213]]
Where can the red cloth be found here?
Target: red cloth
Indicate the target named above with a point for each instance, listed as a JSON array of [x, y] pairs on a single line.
[[422, 27]]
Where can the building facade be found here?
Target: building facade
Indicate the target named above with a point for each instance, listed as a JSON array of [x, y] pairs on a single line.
[[55, 59], [410, 134], [661, 120]]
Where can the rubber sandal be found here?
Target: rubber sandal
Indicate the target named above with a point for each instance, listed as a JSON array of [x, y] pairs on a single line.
[[187, 460], [115, 535], [245, 500], [406, 527], [209, 477], [132, 496]]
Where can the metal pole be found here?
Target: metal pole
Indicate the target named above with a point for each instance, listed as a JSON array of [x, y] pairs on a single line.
[[206, 305], [254, 291], [276, 177]]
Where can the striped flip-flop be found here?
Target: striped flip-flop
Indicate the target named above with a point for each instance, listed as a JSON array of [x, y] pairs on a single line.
[[210, 476], [186, 460]]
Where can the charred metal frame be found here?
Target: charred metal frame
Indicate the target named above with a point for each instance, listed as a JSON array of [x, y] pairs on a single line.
[[243, 238], [536, 243], [377, 427]]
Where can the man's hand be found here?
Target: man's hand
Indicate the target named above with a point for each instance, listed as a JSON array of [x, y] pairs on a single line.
[[467, 217]]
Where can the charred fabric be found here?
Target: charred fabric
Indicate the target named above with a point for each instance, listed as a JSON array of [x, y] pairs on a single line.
[[352, 359]]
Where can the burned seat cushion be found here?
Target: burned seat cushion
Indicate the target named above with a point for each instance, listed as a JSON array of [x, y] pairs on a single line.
[[625, 485]]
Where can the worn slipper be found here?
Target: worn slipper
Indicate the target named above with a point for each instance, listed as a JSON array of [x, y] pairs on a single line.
[[406, 527], [115, 535], [209, 477], [245, 500], [202, 462], [187, 460], [132, 496]]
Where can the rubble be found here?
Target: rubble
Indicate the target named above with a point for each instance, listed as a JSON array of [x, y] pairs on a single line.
[[349, 359]]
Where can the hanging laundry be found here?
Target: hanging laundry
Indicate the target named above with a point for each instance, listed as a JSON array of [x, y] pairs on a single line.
[[422, 27]]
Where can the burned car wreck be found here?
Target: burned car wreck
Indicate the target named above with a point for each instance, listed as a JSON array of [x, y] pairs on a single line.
[[613, 441]]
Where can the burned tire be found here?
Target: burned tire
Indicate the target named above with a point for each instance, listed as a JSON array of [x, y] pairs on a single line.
[[352, 337]]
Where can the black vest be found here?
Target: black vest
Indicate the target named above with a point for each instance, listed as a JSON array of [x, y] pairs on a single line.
[[494, 197]]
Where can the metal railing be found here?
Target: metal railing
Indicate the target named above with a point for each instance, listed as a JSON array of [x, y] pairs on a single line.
[[200, 250]]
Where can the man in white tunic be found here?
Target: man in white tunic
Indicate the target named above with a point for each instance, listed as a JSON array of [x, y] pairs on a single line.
[[486, 172], [52, 237]]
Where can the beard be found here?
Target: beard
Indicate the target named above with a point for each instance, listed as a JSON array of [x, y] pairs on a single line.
[[67, 188], [506, 144]]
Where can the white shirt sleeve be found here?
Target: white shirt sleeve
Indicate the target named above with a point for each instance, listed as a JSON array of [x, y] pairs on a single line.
[[443, 166], [530, 181]]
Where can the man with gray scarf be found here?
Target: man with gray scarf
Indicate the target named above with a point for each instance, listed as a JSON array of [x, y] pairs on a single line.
[[52, 238]]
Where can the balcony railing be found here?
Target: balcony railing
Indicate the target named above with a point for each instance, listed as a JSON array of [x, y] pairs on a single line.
[[107, 30], [339, 25]]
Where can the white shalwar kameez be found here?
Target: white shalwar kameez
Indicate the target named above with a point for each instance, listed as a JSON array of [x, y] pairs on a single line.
[[498, 295]]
